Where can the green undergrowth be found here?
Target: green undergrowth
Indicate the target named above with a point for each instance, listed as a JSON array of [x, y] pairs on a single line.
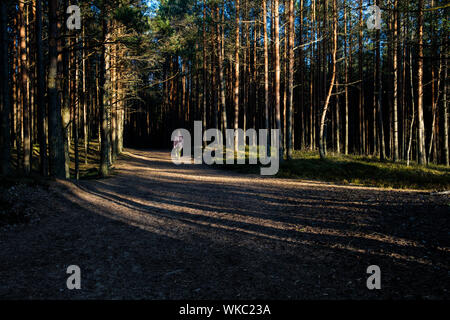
[[358, 170]]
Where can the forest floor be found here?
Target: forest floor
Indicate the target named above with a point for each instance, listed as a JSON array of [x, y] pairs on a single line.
[[159, 231]]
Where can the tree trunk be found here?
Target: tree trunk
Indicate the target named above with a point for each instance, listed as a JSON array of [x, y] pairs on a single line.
[[446, 153], [103, 100], [40, 81], [64, 83], [24, 90], [5, 146], [290, 99], [56, 143], [84, 96], [220, 35], [361, 79], [408, 151], [396, 80], [236, 77], [276, 17], [380, 95], [333, 78], [205, 88], [266, 75], [214, 66], [346, 80], [338, 123], [421, 135], [76, 106]]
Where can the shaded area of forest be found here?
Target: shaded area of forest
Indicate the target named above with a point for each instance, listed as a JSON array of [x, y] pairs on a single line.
[[194, 232]]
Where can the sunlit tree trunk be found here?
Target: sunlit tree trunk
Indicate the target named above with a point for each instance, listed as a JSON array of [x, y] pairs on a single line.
[[396, 80], [338, 123], [205, 88], [266, 73], [290, 99], [276, 17], [222, 83], [236, 75], [103, 100], [361, 132], [76, 112], [84, 95], [346, 79], [408, 151], [332, 82], [421, 134], [380, 95]]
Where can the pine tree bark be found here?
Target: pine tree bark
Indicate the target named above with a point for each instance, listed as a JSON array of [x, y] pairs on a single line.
[[380, 94], [301, 65], [76, 112], [222, 82], [445, 105], [362, 142], [338, 122], [205, 74], [411, 132], [103, 100], [64, 62], [346, 79], [332, 82], [24, 90], [236, 76], [40, 82], [84, 95], [5, 145], [421, 134], [56, 141], [245, 66], [396, 81], [266, 74], [221, 73], [290, 100], [276, 17]]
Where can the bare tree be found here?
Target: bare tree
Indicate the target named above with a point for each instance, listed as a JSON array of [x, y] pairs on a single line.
[[332, 82]]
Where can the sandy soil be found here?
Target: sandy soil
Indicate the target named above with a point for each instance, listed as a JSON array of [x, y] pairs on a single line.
[[159, 231]]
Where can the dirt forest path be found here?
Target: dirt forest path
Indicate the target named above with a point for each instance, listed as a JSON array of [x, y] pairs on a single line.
[[159, 231]]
